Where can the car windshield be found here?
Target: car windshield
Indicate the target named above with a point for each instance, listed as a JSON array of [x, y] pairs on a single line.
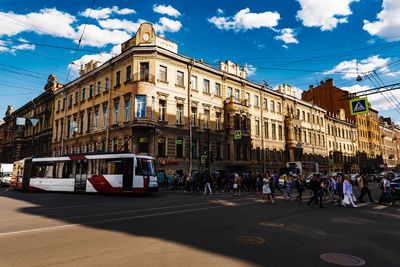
[[148, 167]]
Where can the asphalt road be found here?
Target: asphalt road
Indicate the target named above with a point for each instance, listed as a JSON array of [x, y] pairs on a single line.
[[175, 229]]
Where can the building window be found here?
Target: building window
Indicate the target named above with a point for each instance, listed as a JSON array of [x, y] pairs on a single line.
[[70, 101], [105, 115], [83, 94], [91, 91], [193, 83], [194, 149], [106, 84], [127, 113], [128, 73], [206, 86], [248, 99], [217, 89], [180, 78], [162, 110], [257, 127], [236, 93], [118, 78], [76, 98], [273, 131], [309, 138], [206, 119], [179, 114], [144, 71], [89, 123], [265, 104], [229, 92], [56, 133], [140, 106], [304, 137], [256, 101], [218, 121], [218, 154], [280, 132], [81, 123], [266, 131], [179, 148], [272, 106], [143, 146], [161, 146], [308, 116], [58, 105], [162, 74], [279, 107], [193, 116], [116, 111]]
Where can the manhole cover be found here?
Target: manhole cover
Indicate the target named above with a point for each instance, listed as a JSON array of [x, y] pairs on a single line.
[[342, 259], [270, 224], [250, 240]]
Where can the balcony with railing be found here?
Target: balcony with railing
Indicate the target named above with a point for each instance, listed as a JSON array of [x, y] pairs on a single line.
[[143, 77]]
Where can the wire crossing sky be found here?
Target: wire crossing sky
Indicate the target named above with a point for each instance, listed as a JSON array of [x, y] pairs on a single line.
[[298, 42]]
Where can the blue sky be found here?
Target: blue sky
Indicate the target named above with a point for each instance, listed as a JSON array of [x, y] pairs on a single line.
[[299, 42]]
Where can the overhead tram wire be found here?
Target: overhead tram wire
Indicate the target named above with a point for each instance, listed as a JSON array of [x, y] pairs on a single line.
[[79, 42]]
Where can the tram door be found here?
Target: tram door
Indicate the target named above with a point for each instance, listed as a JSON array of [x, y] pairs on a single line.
[[127, 174], [81, 168]]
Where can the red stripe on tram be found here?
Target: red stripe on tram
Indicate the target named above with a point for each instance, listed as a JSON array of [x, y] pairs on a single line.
[[101, 184], [77, 157]]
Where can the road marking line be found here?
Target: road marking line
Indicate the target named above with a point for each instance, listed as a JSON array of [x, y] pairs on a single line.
[[364, 204], [380, 207], [109, 220]]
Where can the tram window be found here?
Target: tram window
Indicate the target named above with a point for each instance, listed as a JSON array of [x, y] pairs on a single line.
[[113, 167], [42, 170], [59, 169], [83, 164], [138, 168], [69, 169]]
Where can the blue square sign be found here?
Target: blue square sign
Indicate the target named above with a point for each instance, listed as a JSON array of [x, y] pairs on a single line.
[[359, 106]]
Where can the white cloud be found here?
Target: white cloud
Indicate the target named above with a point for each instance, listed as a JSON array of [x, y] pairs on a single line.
[[47, 21], [378, 101], [261, 46], [288, 36], [167, 25], [105, 13], [349, 68], [97, 37], [285, 46], [3, 46], [245, 20], [326, 14], [220, 11], [388, 21], [101, 57], [166, 10], [297, 91], [250, 70], [23, 46], [118, 24]]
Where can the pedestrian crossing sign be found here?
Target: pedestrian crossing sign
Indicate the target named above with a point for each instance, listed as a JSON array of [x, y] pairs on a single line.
[[359, 106]]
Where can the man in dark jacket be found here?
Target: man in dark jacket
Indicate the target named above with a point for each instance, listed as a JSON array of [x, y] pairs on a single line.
[[316, 187]]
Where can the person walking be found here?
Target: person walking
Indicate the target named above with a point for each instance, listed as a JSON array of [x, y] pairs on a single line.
[[299, 183], [188, 183], [348, 192], [363, 186], [316, 187], [386, 189], [339, 189], [207, 183], [289, 184], [275, 180], [236, 185], [266, 190]]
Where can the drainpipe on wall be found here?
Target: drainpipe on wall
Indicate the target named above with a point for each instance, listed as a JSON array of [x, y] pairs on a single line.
[[190, 67], [109, 107]]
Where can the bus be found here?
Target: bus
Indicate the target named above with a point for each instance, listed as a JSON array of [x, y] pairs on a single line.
[[102, 173], [303, 167]]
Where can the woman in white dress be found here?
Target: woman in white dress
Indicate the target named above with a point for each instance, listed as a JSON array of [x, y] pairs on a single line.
[[266, 190], [348, 193]]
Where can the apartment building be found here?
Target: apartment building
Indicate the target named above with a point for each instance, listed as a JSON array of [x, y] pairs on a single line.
[[188, 115]]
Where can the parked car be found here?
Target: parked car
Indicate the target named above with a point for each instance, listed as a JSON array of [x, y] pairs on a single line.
[[5, 180], [380, 176]]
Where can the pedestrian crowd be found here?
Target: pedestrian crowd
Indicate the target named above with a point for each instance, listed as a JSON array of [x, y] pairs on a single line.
[[338, 189]]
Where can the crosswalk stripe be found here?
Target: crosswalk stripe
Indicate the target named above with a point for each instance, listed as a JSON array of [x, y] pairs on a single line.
[[363, 204], [380, 207]]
